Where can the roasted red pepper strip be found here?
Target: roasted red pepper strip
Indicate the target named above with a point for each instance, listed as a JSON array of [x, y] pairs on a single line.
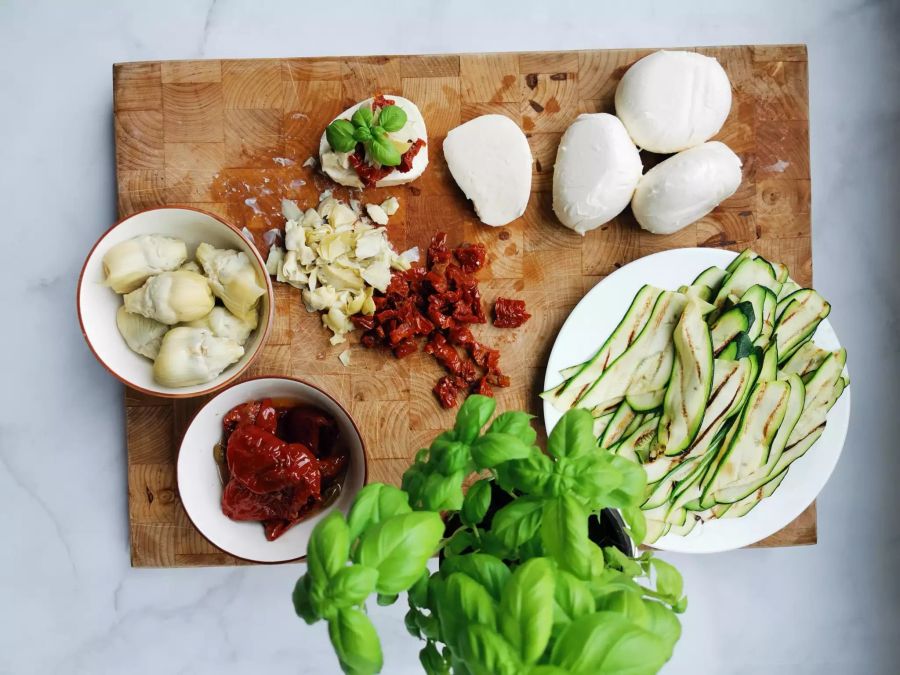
[[265, 463]]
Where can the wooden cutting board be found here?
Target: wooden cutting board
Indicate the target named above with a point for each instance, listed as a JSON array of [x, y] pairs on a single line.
[[230, 137]]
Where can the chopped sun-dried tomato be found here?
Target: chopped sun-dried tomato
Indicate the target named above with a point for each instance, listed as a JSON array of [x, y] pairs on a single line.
[[471, 257], [510, 313], [446, 392]]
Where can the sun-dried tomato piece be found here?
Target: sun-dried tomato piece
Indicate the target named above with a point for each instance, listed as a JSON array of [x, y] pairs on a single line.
[[471, 257], [461, 336], [405, 348], [362, 321], [380, 101], [437, 250], [482, 387], [406, 159], [510, 313], [446, 392]]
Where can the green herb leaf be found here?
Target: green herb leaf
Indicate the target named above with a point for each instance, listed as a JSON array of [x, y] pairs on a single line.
[[432, 661], [530, 475], [443, 493], [518, 522], [486, 653], [615, 559], [386, 600], [669, 583], [355, 642], [492, 449], [362, 117], [547, 670], [339, 135], [564, 533], [383, 150], [303, 604], [392, 118], [517, 424], [410, 619], [413, 482], [487, 570], [476, 502], [526, 608], [630, 491], [592, 478], [472, 416], [460, 541], [374, 503], [573, 435], [329, 547], [362, 134], [572, 598], [352, 585], [662, 622], [636, 523], [399, 547], [465, 597], [606, 643], [418, 592], [450, 456]]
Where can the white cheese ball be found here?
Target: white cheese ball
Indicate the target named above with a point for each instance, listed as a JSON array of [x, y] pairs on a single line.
[[490, 160], [671, 101], [337, 167], [686, 187], [597, 169]]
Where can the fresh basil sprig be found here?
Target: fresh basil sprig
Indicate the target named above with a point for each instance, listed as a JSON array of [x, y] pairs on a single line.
[[364, 127]]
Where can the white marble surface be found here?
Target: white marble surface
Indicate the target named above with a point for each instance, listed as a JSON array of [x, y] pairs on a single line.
[[70, 603]]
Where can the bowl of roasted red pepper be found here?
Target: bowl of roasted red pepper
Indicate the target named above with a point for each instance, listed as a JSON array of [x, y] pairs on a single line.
[[263, 462]]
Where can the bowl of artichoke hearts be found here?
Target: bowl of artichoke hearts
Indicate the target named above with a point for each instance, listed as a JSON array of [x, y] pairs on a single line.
[[175, 302]]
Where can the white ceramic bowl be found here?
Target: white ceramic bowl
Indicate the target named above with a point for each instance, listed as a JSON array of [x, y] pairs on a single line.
[[200, 487], [97, 304]]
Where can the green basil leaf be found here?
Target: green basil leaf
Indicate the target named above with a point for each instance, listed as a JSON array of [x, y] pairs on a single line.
[[329, 547], [487, 570], [669, 583], [626, 602], [303, 604], [362, 117], [606, 643], [526, 608], [516, 424], [547, 670], [413, 482], [418, 592], [362, 134], [443, 493], [517, 522], [399, 547], [352, 585], [564, 533], [487, 653], [375, 503], [476, 502], [386, 600], [633, 482], [591, 478], [355, 642], [531, 475], [392, 118], [460, 541], [383, 150], [474, 413], [492, 449], [432, 661], [470, 600], [429, 627], [662, 622], [410, 619], [573, 435], [617, 560], [572, 599], [450, 456], [636, 523], [339, 135]]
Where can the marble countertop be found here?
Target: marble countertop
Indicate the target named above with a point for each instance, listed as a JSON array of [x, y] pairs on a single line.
[[69, 601]]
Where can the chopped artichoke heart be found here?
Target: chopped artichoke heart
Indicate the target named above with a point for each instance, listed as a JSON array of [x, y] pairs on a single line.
[[402, 146], [334, 245], [294, 235], [127, 265], [378, 274], [377, 214], [291, 272], [274, 261], [341, 214], [290, 210], [172, 297], [222, 323], [390, 205], [342, 278]]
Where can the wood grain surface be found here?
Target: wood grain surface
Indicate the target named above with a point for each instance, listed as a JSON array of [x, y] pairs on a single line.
[[231, 137]]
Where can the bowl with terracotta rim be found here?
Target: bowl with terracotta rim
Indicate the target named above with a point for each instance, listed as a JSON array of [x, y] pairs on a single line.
[[98, 304], [200, 486]]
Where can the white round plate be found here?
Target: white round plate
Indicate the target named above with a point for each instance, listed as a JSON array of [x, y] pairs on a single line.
[[597, 315], [201, 489]]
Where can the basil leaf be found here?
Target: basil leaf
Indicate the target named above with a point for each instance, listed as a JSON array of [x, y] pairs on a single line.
[[633, 482], [517, 424], [487, 653], [669, 583], [474, 413], [526, 608], [469, 600], [573, 435], [352, 585], [339, 135], [329, 547], [493, 449], [410, 619], [564, 533], [362, 134], [362, 117], [399, 547], [413, 482], [443, 493], [531, 475], [450, 456], [418, 592], [487, 570], [572, 599], [432, 661], [636, 523], [589, 477], [355, 642], [303, 604], [518, 522], [383, 150], [392, 118], [662, 622], [547, 670], [386, 600], [460, 541], [617, 560], [605, 643], [375, 503], [476, 502]]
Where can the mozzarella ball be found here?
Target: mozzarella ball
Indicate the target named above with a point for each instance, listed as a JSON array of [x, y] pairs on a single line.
[[686, 187], [597, 169], [490, 160], [336, 165], [671, 101]]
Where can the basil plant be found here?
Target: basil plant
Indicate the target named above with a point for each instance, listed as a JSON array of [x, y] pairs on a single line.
[[520, 589]]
